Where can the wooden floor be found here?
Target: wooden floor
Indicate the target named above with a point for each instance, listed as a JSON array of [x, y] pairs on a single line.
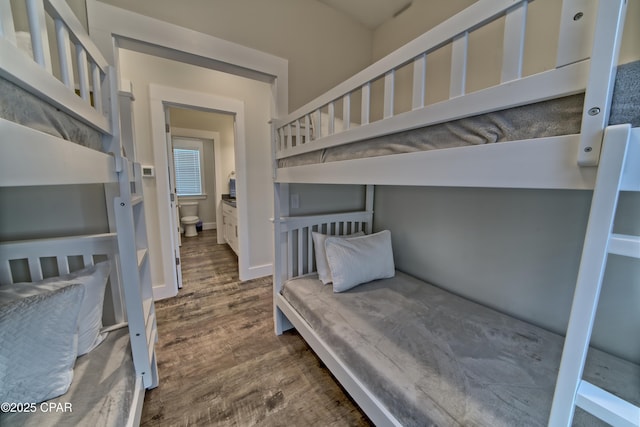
[[220, 363]]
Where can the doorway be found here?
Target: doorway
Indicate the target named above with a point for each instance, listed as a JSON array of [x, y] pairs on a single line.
[[211, 136], [162, 99], [178, 57]]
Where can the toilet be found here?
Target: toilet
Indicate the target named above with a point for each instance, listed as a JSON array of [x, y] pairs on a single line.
[[189, 218]]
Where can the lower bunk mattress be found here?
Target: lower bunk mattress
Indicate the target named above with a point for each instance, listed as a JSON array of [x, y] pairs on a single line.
[[100, 395], [434, 358]]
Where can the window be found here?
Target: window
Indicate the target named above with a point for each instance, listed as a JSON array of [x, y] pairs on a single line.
[[189, 166]]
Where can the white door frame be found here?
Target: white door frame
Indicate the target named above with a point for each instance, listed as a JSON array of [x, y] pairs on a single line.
[[174, 218], [113, 28], [159, 97]]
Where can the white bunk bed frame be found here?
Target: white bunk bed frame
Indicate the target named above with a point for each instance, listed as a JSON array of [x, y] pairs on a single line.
[[32, 158], [602, 158]]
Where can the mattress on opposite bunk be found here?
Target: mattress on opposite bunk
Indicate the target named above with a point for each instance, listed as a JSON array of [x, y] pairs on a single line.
[[561, 116], [432, 357], [100, 395], [19, 106]]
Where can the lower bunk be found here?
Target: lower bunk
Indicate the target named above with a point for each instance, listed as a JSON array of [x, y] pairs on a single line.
[[410, 353], [58, 364]]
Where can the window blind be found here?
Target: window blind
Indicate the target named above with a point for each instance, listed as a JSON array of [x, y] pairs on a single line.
[[188, 178]]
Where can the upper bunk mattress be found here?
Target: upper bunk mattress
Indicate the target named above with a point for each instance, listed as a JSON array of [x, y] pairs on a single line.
[[434, 358], [555, 117], [101, 392], [20, 106]]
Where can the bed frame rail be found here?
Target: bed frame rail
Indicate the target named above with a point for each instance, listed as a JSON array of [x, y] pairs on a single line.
[[581, 23], [78, 66], [35, 260], [295, 255], [298, 254]]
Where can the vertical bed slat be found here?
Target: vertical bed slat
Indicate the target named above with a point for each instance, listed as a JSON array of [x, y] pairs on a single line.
[[289, 136], [514, 31], [39, 36], [35, 269], [307, 128], [389, 90], [346, 112], [87, 259], [419, 73], [366, 103], [300, 248], [281, 141], [64, 53], [6, 277], [459, 65], [83, 72], [63, 265], [299, 140], [332, 117], [7, 29], [309, 250], [317, 134], [97, 87], [289, 255]]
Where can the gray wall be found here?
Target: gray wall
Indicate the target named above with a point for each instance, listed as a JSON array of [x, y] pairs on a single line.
[[514, 250], [318, 199], [52, 211]]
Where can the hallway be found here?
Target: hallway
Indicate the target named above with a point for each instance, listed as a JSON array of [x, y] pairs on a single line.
[[220, 362]]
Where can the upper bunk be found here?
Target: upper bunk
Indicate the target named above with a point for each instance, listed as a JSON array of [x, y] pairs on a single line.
[[380, 126], [57, 115]]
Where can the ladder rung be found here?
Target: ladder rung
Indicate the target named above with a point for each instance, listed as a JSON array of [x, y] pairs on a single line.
[[606, 406], [620, 244]]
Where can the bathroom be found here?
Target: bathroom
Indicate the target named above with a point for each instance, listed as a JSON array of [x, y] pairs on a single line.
[[197, 131]]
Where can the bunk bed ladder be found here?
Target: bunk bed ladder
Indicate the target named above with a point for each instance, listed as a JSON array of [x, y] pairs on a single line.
[[136, 276], [618, 170]]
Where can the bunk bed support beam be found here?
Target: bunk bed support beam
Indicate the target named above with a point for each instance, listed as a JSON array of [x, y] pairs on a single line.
[[597, 102], [590, 275]]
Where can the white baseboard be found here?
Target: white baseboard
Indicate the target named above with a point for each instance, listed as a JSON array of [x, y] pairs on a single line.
[[258, 271], [209, 226]]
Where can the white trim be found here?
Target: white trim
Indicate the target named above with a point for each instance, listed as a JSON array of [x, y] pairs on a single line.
[[535, 163], [30, 157], [154, 36], [257, 271], [209, 226], [164, 95], [113, 28], [192, 144]]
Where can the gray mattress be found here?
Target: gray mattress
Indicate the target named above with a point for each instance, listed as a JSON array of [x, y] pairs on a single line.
[[556, 117], [434, 358], [19, 106], [100, 394]]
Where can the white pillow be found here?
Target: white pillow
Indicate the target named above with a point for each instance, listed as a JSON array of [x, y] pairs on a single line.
[[324, 273], [358, 260], [39, 343], [94, 279]]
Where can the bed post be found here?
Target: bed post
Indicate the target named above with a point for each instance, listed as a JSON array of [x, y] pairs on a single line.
[[368, 205], [280, 209], [577, 28]]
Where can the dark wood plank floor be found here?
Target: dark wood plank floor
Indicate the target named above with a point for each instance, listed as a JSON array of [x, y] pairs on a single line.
[[220, 363]]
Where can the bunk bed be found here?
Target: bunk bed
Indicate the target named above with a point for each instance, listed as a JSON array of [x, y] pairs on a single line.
[[60, 126], [410, 353]]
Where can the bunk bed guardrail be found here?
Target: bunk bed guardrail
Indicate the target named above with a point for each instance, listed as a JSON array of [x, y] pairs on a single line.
[[77, 57], [303, 131]]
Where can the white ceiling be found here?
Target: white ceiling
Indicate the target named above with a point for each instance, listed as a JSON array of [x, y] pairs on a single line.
[[370, 13]]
